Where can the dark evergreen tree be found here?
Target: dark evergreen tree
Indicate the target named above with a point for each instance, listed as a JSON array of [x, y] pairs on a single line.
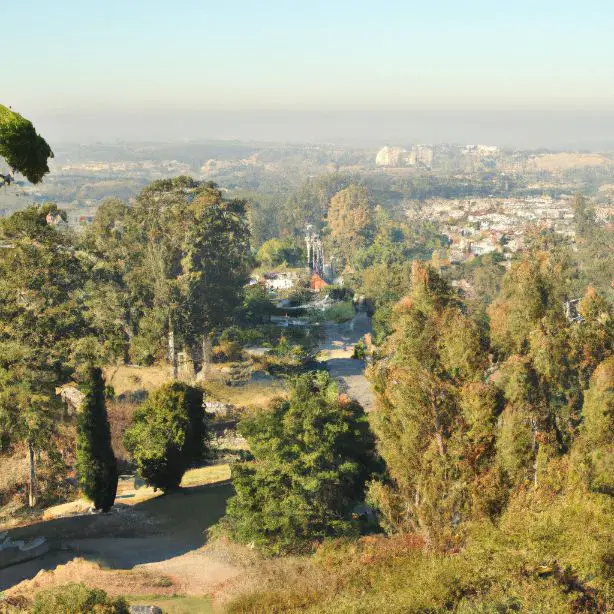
[[313, 454], [169, 434], [96, 464]]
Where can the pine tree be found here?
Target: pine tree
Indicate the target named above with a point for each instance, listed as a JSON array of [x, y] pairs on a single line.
[[96, 464], [313, 455]]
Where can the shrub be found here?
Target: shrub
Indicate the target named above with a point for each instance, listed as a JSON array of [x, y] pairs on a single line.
[[313, 455], [169, 435], [257, 307], [338, 312], [338, 293], [360, 351], [228, 351], [96, 464], [78, 599]]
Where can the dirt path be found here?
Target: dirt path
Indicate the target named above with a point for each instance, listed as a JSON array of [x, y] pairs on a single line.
[[163, 536], [337, 351]]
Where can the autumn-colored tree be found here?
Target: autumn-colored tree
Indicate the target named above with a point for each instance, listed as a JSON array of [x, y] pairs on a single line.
[[351, 221], [433, 354], [598, 411]]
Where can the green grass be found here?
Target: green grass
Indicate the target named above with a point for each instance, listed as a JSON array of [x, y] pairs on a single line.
[[175, 605]]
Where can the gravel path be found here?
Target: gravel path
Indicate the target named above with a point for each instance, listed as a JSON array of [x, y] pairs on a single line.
[[337, 352]]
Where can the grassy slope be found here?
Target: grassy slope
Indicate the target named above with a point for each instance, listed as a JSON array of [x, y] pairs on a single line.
[[549, 553]]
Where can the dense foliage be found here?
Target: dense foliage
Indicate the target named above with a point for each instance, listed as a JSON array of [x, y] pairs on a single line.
[[499, 451], [169, 435], [173, 265], [96, 464], [22, 148], [45, 329], [312, 457]]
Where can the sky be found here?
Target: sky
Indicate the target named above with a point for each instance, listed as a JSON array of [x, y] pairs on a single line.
[[535, 71]]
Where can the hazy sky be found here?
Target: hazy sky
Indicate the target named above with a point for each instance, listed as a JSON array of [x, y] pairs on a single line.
[[185, 68]]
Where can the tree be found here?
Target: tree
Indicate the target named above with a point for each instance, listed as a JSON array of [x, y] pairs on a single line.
[[215, 267], [425, 380], [312, 457], [169, 434], [598, 411], [96, 464], [23, 149], [309, 204], [275, 252], [43, 321], [188, 258], [117, 288], [158, 224], [584, 216], [351, 221]]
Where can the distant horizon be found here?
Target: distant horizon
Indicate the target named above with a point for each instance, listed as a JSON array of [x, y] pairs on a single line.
[[510, 129], [522, 75]]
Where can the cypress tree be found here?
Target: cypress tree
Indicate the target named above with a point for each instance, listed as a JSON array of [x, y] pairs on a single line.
[[96, 464]]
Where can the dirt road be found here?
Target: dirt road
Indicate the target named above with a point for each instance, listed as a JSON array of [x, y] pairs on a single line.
[[337, 351], [163, 535]]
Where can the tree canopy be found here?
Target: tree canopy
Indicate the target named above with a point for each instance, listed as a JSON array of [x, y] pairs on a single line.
[[23, 149]]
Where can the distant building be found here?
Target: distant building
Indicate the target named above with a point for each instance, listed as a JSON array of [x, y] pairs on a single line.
[[390, 156], [317, 283], [279, 281]]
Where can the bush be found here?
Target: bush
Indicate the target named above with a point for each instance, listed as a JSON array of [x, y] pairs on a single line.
[[96, 464], [78, 599], [338, 293], [298, 296], [338, 312], [360, 351], [169, 435], [313, 455], [228, 351], [257, 307]]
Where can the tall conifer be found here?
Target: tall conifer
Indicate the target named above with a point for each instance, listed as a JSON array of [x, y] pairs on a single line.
[[96, 464]]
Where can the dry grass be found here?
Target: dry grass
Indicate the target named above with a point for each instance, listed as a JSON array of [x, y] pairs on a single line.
[[566, 160], [114, 582], [206, 475], [254, 395], [14, 471], [127, 378], [339, 569], [129, 494]]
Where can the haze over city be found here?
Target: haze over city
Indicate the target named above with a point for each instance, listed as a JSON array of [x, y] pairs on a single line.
[[521, 74]]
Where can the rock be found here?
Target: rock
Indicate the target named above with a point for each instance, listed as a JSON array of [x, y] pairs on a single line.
[[145, 609], [219, 409], [13, 552]]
